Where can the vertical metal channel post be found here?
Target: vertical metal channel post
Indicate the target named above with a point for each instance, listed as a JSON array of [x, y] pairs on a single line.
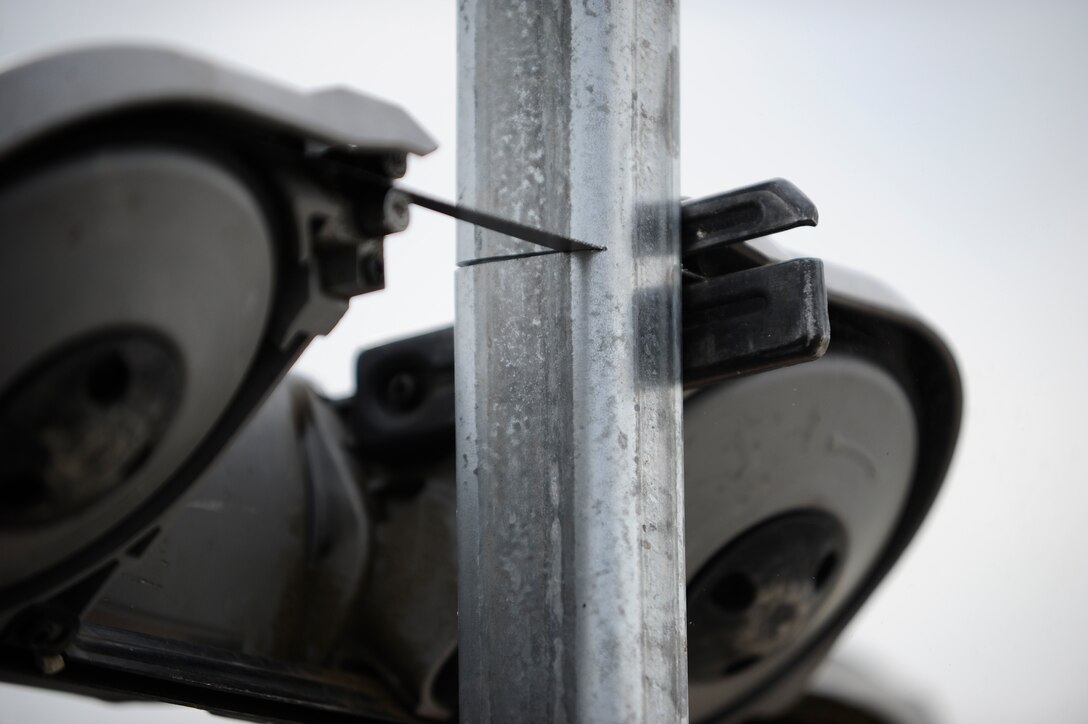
[[570, 459]]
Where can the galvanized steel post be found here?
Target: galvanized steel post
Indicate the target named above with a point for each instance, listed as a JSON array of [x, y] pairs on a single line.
[[570, 477]]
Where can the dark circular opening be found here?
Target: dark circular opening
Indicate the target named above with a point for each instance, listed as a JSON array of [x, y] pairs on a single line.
[[756, 597], [739, 665], [108, 379], [398, 207], [403, 391], [735, 593], [81, 421], [827, 567]]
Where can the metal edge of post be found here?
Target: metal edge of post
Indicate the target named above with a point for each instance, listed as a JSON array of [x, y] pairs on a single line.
[[569, 409]]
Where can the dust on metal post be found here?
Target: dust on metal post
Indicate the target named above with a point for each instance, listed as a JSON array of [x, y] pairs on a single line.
[[570, 481]]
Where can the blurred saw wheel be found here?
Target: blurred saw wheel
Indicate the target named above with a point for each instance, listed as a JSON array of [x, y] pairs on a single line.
[[174, 234], [803, 485]]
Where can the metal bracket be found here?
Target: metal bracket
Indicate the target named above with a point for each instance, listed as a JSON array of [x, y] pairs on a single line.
[[751, 320], [754, 320], [724, 219]]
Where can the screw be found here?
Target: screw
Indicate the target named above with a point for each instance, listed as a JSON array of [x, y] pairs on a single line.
[[395, 211], [49, 664], [402, 391], [394, 165]]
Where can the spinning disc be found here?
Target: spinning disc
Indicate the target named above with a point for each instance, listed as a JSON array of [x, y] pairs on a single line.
[[794, 481], [172, 235], [138, 284]]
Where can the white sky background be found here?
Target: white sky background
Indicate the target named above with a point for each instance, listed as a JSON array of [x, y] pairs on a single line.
[[945, 145]]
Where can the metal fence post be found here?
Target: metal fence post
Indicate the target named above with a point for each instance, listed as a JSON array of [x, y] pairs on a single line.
[[570, 478]]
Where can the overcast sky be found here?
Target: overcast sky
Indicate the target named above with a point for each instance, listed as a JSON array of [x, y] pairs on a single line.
[[945, 145]]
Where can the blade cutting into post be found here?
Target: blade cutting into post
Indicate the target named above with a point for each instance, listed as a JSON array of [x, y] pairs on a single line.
[[555, 242], [547, 239]]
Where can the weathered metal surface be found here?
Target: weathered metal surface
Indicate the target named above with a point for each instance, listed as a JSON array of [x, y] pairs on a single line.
[[570, 479]]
